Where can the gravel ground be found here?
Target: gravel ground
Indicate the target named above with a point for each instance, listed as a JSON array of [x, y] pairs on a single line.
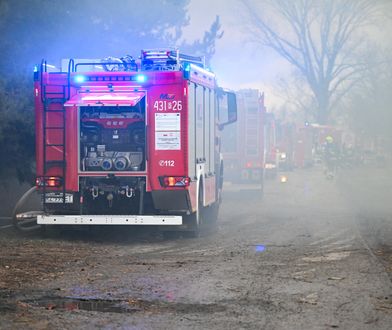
[[313, 254]]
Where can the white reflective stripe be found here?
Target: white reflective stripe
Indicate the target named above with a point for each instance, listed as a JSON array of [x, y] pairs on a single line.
[[170, 220]]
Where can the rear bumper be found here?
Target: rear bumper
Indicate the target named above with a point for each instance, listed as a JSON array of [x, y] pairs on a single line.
[[161, 220]]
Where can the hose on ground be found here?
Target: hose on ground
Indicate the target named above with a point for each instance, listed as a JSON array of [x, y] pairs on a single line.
[[28, 224]]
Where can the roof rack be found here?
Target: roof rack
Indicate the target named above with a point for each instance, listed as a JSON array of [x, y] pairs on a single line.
[[164, 59], [150, 60]]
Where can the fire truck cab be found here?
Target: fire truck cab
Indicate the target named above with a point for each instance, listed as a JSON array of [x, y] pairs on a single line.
[[130, 142]]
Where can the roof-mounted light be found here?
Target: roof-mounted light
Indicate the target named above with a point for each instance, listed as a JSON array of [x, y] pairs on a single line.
[[187, 70], [141, 78], [79, 79]]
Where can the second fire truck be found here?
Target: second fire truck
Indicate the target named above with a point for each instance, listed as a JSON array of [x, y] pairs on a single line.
[[244, 144]]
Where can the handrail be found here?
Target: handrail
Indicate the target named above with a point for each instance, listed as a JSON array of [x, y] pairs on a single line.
[[41, 78], [71, 64], [190, 58]]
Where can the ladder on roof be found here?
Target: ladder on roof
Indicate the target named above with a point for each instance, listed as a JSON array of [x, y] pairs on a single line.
[[54, 133]]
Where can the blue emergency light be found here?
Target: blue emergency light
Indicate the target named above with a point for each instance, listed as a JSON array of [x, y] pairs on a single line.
[[80, 79], [141, 78]]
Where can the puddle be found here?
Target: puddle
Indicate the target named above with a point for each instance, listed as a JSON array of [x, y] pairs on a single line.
[[4, 308], [118, 306], [92, 305]]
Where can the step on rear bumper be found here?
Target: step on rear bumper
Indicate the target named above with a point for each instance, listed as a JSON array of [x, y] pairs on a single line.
[[161, 220]]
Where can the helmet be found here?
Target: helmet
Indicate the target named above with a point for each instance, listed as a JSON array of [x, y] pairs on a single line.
[[329, 139]]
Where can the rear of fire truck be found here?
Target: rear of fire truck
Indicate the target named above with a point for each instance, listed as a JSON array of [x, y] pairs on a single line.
[[243, 144], [285, 142], [272, 155], [130, 142]]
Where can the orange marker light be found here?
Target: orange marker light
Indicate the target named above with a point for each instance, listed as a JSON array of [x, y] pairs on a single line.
[[171, 181]]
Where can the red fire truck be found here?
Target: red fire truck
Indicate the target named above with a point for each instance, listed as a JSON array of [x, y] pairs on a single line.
[[130, 142], [322, 131], [271, 148], [285, 141], [310, 142], [304, 147], [243, 142]]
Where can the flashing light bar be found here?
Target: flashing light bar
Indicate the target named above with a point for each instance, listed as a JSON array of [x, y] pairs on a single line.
[[139, 78]]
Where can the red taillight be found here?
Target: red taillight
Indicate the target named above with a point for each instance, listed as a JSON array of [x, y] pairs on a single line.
[[48, 181], [174, 181]]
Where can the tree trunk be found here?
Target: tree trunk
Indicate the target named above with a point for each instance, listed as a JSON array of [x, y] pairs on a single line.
[[323, 106], [322, 116]]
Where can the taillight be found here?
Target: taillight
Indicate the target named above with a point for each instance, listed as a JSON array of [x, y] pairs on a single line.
[[48, 181], [174, 181], [253, 165]]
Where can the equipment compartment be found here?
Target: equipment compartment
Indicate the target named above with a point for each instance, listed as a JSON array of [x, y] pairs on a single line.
[[113, 138]]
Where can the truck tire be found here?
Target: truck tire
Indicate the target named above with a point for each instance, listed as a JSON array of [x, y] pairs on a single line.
[[193, 225], [194, 220], [211, 213]]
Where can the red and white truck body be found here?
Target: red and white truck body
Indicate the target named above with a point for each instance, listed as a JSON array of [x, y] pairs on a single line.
[[130, 142], [285, 141], [322, 131], [243, 143], [271, 148], [304, 146]]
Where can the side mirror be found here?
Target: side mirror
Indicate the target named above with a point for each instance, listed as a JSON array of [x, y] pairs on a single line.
[[227, 108]]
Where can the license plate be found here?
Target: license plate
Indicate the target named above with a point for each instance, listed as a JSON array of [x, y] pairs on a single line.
[[58, 198]]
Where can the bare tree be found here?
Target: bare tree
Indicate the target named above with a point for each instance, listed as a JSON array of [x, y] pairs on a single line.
[[320, 38], [370, 102], [206, 46], [298, 101]]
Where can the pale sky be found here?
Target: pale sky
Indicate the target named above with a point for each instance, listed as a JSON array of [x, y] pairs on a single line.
[[239, 64]]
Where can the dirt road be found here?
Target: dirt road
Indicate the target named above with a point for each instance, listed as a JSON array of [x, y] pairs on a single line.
[[314, 254]]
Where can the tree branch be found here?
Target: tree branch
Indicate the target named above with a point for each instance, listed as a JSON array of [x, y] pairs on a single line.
[[319, 41]]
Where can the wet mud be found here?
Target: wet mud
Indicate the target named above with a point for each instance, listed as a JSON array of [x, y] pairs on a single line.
[[312, 253]]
